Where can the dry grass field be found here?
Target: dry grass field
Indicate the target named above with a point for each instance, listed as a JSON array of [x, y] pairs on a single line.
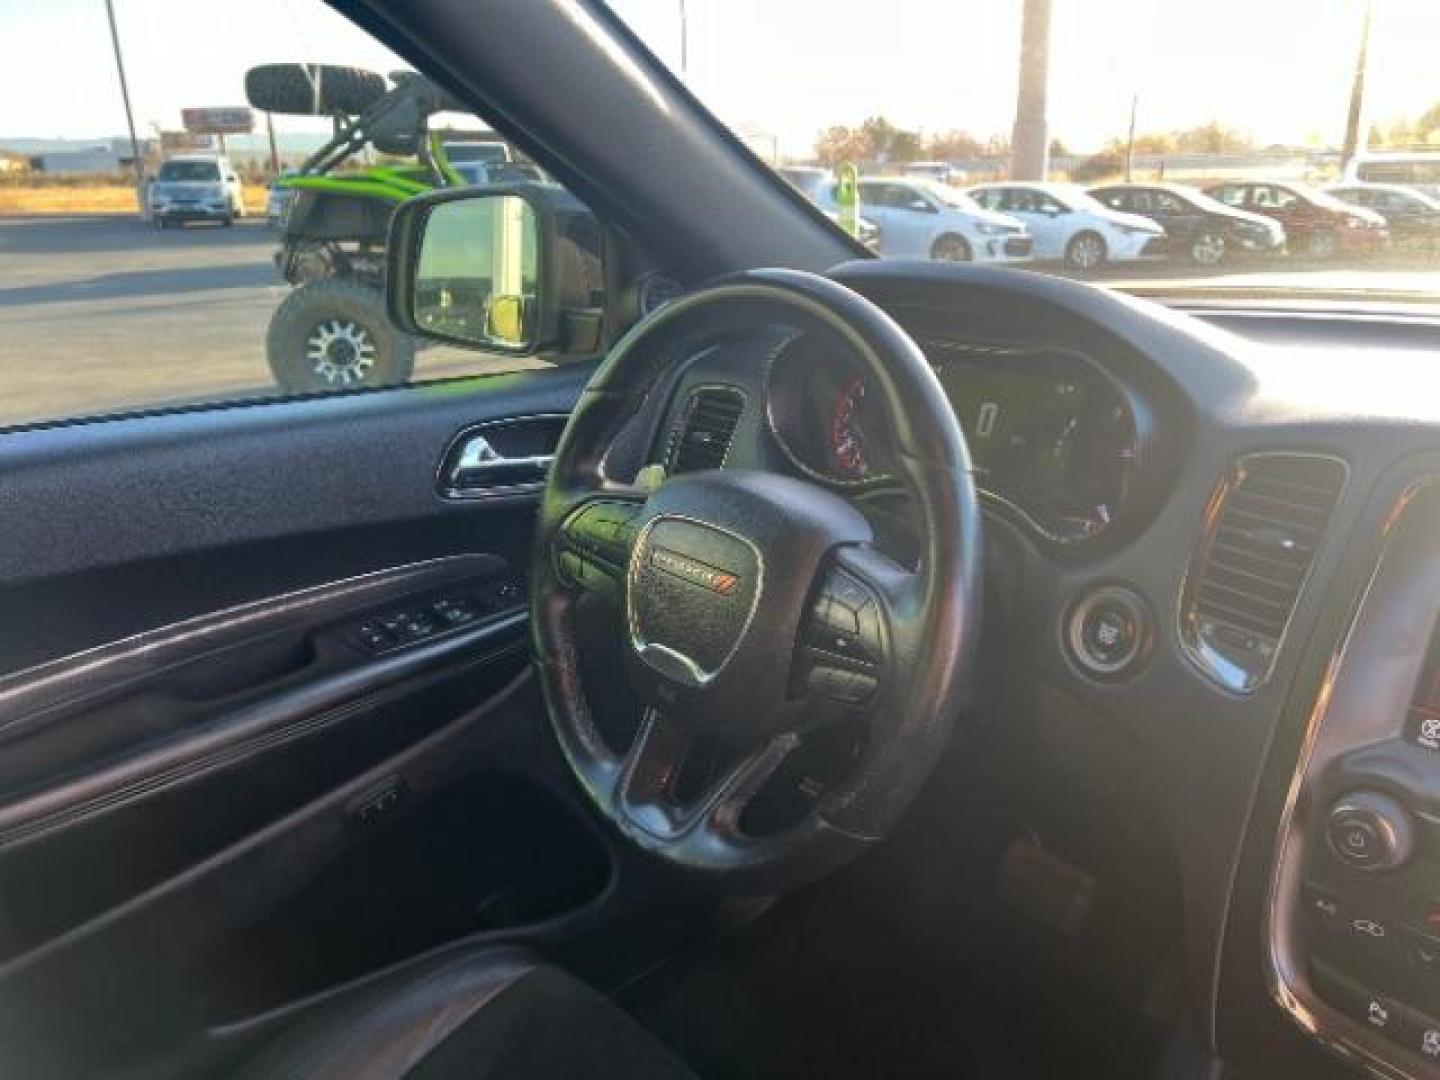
[[91, 199]]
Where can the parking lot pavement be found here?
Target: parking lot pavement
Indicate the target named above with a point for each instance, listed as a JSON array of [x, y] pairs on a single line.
[[102, 313], [106, 313]]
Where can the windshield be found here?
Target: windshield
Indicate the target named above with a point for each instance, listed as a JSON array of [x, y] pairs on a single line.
[[948, 195], [189, 172], [1262, 102]]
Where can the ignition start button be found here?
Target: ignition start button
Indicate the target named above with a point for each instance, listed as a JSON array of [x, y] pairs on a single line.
[[1108, 631]]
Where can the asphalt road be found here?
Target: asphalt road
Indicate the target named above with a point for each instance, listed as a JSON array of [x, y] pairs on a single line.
[[106, 313], [99, 314]]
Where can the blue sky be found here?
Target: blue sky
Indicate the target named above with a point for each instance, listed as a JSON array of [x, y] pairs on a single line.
[[1279, 68]]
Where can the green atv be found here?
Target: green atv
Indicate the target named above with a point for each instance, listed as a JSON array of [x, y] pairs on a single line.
[[332, 332]]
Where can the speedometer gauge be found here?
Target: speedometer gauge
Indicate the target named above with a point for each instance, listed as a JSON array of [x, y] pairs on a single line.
[[818, 411], [847, 435]]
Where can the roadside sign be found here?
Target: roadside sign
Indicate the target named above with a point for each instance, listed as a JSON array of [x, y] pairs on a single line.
[[176, 141], [847, 197], [225, 121]]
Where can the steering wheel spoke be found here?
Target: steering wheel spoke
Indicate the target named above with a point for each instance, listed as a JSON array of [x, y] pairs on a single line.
[[647, 788]]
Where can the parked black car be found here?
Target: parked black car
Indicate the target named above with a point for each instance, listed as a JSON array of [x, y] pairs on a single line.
[[1413, 216], [1197, 227]]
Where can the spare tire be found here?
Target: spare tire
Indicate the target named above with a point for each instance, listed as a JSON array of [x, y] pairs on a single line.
[[313, 89]]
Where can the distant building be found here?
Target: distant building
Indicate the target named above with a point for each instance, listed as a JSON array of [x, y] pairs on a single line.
[[91, 159], [109, 156]]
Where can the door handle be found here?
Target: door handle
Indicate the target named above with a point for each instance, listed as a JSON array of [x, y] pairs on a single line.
[[475, 469]]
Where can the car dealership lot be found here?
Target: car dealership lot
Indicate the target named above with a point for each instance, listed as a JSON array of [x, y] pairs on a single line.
[[99, 313]]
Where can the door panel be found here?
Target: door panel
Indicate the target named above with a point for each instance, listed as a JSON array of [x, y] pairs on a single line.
[[114, 528], [231, 641]]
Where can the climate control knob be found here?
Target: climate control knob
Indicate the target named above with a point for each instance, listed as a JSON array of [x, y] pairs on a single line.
[[1371, 832]]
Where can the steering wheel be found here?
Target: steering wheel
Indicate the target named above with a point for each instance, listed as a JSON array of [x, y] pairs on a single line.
[[755, 607]]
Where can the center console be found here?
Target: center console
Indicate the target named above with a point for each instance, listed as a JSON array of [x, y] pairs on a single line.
[[1354, 920]]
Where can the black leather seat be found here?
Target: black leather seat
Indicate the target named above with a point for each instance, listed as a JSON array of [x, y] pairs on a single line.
[[492, 1013]]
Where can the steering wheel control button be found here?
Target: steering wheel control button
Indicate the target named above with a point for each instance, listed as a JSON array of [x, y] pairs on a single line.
[[845, 620], [1108, 631], [1370, 832], [839, 684], [602, 531]]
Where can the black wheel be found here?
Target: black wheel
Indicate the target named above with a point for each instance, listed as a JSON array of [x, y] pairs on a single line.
[[312, 89], [1086, 252], [335, 335], [951, 248], [1207, 248]]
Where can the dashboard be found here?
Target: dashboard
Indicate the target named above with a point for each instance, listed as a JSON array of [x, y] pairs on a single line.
[[1214, 489]]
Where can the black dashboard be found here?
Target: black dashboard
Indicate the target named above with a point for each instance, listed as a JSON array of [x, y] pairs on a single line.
[[1216, 499]]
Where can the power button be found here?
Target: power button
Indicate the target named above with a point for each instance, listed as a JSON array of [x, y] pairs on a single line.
[[1107, 630], [1369, 831]]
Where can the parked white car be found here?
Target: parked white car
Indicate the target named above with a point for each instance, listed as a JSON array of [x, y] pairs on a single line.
[[1070, 224], [920, 219]]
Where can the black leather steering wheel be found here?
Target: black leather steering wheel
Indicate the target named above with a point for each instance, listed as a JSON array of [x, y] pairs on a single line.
[[731, 586]]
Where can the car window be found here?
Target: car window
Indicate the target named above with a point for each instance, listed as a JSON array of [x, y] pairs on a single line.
[[1273, 198], [1116, 200], [905, 197], [1164, 202], [990, 198], [174, 271], [871, 194], [188, 172], [1020, 201], [1229, 194]]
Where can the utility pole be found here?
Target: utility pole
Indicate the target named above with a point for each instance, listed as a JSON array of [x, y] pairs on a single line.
[[125, 96], [1356, 136], [274, 152], [684, 43], [1130, 142], [1030, 143]]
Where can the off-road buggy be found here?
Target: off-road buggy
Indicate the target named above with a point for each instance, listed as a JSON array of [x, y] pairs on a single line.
[[332, 331]]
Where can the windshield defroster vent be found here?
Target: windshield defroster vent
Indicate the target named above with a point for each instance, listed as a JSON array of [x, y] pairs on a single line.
[[701, 439], [1263, 529]]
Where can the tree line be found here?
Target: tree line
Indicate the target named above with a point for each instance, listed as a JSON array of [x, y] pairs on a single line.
[[879, 139]]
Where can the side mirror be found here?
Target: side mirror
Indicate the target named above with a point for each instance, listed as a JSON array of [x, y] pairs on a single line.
[[514, 269]]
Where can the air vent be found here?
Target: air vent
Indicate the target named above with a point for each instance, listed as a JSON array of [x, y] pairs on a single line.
[[1266, 522], [702, 437]]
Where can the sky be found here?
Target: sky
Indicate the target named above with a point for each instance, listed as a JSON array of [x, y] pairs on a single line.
[[1278, 69]]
